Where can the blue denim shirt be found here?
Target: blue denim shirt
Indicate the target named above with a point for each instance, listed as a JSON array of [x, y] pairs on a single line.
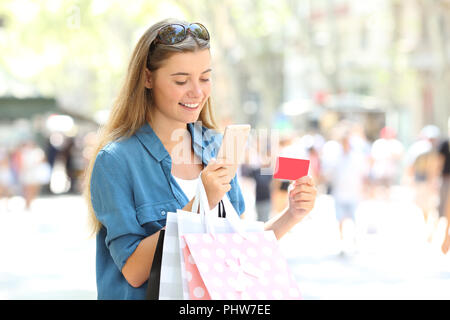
[[132, 189]]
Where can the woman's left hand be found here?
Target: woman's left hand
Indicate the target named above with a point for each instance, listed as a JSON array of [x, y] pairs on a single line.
[[302, 196]]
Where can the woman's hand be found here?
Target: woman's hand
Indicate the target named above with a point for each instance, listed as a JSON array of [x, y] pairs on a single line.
[[216, 178], [302, 196]]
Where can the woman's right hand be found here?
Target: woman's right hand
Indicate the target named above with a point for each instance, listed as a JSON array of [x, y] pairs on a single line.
[[216, 178]]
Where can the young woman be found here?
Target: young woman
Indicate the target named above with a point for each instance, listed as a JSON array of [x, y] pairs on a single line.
[[137, 174]]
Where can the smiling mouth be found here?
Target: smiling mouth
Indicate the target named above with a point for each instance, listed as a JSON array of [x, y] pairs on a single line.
[[189, 105]]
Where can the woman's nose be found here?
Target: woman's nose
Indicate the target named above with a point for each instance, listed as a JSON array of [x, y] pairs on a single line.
[[195, 90]]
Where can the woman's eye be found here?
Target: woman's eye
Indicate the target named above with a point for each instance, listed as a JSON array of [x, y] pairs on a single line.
[[180, 83]]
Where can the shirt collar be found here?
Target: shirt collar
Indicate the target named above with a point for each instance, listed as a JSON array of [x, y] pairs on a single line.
[[150, 140], [205, 142]]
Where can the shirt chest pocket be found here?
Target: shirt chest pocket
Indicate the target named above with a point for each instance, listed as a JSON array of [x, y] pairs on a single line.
[[153, 212]]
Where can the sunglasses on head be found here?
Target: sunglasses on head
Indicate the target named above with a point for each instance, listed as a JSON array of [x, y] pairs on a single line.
[[175, 33]]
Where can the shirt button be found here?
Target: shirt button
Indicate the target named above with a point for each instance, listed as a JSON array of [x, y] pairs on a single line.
[[163, 212]]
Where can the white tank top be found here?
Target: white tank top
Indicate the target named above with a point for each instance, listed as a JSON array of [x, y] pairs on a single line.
[[189, 188]]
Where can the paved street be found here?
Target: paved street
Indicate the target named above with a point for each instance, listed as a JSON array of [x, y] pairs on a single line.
[[391, 259], [47, 253]]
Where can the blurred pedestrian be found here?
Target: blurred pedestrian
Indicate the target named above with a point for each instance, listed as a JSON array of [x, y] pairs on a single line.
[[444, 151], [311, 145], [315, 164], [329, 156], [35, 171], [386, 156], [347, 177], [423, 169], [444, 199], [6, 178], [263, 188], [69, 160], [446, 243], [15, 163]]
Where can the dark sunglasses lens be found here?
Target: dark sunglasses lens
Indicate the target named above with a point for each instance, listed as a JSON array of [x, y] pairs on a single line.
[[199, 31], [172, 34]]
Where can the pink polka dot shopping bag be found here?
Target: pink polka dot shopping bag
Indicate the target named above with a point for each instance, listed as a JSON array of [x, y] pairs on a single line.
[[230, 266], [230, 259]]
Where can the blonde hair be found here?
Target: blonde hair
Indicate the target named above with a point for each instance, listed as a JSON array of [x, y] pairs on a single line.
[[123, 123]]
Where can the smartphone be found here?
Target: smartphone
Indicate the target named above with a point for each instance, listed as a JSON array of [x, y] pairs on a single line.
[[234, 143]]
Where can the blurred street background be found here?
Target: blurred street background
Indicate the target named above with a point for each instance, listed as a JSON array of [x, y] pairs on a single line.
[[360, 88]]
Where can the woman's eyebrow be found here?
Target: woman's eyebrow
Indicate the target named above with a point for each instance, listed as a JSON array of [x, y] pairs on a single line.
[[187, 74]]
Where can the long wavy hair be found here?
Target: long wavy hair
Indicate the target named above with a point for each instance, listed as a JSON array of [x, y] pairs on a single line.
[[131, 109]]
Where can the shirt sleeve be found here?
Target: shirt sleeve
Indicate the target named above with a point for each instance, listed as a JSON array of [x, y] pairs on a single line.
[[112, 200]]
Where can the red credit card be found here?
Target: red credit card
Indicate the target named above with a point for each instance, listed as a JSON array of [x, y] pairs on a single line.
[[290, 168]]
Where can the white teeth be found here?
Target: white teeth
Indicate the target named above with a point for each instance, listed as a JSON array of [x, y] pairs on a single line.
[[190, 105]]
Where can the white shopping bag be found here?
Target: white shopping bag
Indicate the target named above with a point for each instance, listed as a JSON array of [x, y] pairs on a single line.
[[206, 222], [172, 262], [170, 285]]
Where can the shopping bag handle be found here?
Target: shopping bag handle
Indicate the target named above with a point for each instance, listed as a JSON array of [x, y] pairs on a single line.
[[196, 203], [198, 206], [201, 205], [195, 207], [205, 211], [201, 201], [232, 217]]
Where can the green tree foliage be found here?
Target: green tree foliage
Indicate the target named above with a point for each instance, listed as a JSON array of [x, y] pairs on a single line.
[[78, 50]]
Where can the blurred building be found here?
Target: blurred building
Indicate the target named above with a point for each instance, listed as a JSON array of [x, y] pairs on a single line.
[[380, 62]]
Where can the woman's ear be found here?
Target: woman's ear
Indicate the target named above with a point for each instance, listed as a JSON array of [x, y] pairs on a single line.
[[148, 79]]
